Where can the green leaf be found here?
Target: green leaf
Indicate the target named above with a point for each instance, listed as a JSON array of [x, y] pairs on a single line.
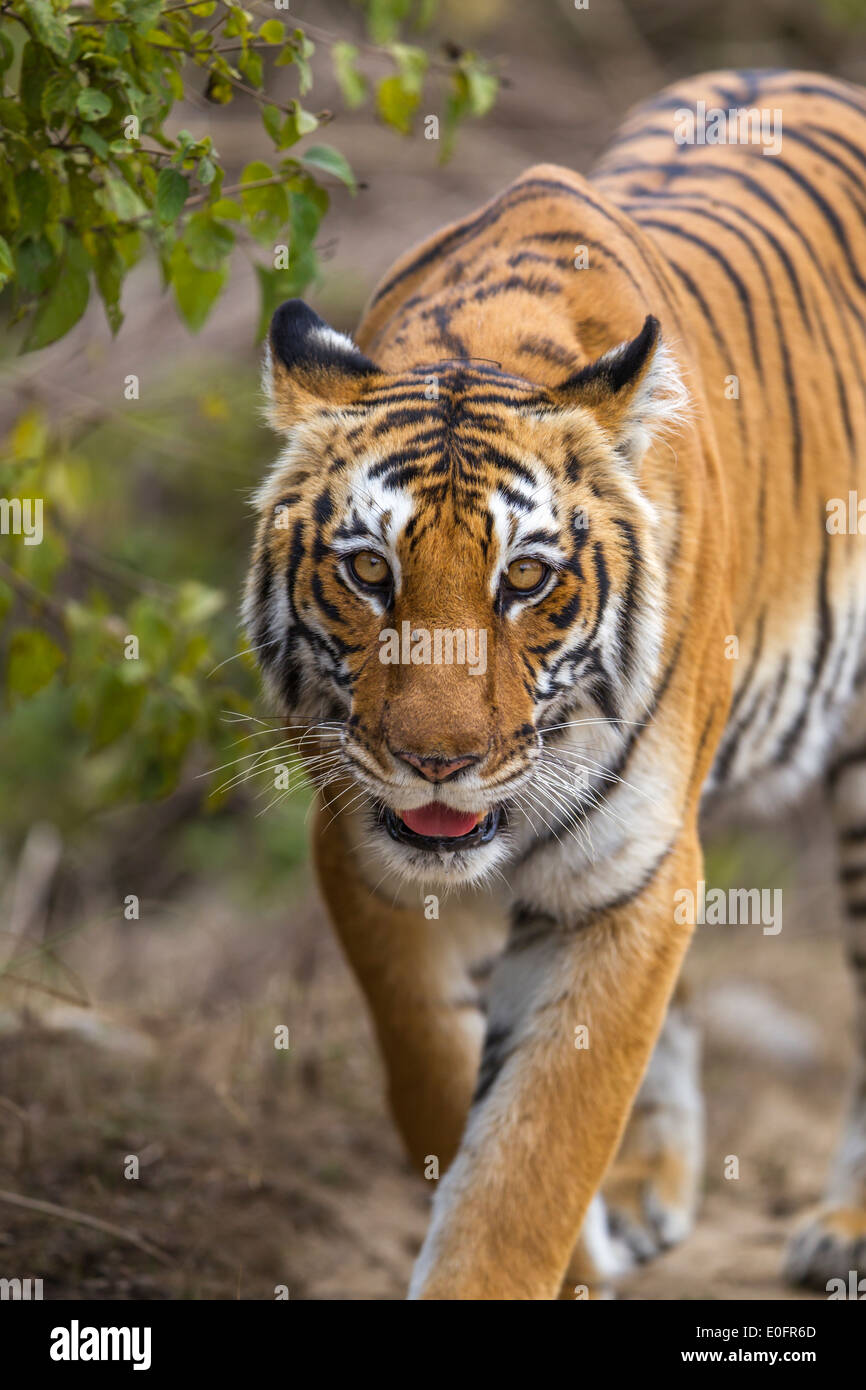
[[196, 291], [483, 87], [298, 123], [272, 120], [172, 191], [94, 141], [219, 90], [238, 22], [34, 193], [36, 263], [7, 52], [109, 271], [396, 104], [412, 65], [273, 31], [352, 84], [62, 307], [266, 209], [307, 210], [473, 93], [50, 27], [37, 66], [384, 18], [33, 660], [125, 201], [300, 50], [92, 104], [116, 703], [116, 40], [227, 208], [254, 173], [60, 95], [7, 265], [330, 161], [208, 241], [144, 13], [11, 115], [250, 65]]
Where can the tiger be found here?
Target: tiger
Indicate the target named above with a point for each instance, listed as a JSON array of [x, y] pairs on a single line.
[[601, 427]]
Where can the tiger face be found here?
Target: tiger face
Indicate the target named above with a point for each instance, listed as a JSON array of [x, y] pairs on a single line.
[[453, 569]]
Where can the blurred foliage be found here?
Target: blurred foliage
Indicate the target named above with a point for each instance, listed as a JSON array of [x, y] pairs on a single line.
[[91, 177], [89, 729], [112, 679], [93, 718], [851, 13]]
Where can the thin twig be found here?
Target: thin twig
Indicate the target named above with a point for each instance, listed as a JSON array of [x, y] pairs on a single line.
[[81, 1218]]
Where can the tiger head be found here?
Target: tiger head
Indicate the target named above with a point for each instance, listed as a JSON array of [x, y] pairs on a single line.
[[456, 569]]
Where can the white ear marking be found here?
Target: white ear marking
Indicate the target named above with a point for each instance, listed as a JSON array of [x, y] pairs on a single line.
[[660, 403], [331, 340]]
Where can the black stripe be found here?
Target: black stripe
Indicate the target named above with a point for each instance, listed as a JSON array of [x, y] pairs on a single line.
[[527, 191], [843, 762], [823, 637], [722, 171], [738, 283], [793, 403], [722, 345], [497, 1050], [629, 597]]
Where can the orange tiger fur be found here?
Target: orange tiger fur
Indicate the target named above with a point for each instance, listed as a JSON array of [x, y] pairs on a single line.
[[644, 386]]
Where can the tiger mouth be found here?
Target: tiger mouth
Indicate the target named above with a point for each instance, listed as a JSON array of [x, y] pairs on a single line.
[[480, 834]]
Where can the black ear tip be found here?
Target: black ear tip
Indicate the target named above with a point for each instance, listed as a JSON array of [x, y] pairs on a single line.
[[292, 310], [300, 339], [290, 325], [633, 355], [647, 338]]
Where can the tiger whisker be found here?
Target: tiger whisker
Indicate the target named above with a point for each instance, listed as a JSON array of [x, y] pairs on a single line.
[[248, 651], [300, 775], [603, 772]]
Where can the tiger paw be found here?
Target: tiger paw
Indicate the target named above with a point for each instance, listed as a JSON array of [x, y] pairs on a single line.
[[597, 1260], [650, 1202], [829, 1246]]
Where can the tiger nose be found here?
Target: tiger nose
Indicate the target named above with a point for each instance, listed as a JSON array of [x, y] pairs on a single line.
[[435, 768]]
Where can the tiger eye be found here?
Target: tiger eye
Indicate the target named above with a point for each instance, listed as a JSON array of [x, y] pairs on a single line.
[[369, 568], [526, 574]]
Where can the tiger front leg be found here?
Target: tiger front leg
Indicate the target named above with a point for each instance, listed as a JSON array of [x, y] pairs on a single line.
[[576, 1008], [651, 1192]]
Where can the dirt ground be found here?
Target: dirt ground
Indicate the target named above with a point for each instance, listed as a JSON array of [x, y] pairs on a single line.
[[261, 1167]]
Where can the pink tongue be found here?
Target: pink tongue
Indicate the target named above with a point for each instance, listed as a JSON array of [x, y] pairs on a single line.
[[437, 819]]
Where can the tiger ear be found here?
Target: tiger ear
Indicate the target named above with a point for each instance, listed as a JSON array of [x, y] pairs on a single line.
[[308, 366], [634, 391]]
